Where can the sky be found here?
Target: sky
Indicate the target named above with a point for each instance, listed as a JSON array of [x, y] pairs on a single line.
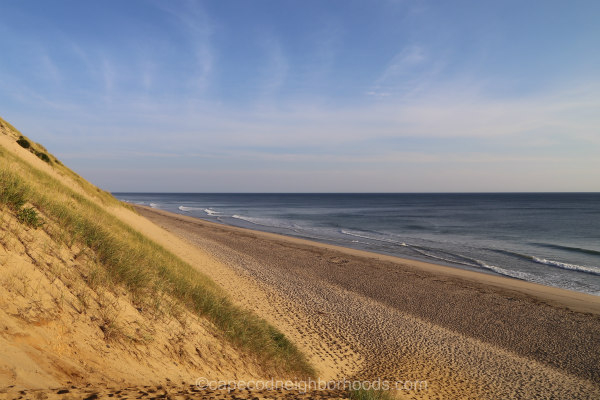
[[309, 96]]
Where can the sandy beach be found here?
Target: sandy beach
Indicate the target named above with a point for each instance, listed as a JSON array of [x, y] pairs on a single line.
[[368, 316], [294, 200]]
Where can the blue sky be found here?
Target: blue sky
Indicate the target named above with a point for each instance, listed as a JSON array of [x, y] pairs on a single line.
[[303, 96]]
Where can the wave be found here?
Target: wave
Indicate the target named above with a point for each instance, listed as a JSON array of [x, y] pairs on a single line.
[[506, 272], [141, 203], [208, 211], [472, 262], [553, 263], [247, 219], [478, 263], [571, 267], [421, 250], [569, 248], [362, 235], [513, 254], [185, 208], [456, 258], [153, 205], [268, 222]]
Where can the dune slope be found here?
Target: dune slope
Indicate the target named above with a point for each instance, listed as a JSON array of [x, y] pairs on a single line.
[[86, 298]]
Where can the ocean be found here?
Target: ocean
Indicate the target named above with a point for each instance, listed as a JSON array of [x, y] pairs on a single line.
[[547, 238]]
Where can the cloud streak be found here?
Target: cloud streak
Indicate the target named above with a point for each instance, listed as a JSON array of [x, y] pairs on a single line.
[[197, 28]]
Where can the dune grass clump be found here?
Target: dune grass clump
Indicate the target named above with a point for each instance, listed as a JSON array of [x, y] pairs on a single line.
[[142, 266], [29, 217], [24, 143], [43, 156], [12, 192]]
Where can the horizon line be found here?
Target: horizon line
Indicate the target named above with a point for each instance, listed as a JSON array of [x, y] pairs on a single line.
[[506, 192]]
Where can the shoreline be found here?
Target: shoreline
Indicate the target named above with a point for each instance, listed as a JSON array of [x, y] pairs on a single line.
[[575, 301], [367, 316]]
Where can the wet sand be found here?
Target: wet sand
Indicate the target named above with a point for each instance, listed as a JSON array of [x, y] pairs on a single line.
[[369, 316]]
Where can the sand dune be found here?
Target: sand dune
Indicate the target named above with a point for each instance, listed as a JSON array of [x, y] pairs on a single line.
[[71, 327]]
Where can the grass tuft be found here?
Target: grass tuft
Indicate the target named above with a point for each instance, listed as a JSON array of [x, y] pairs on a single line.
[[29, 217], [24, 143], [42, 156], [12, 193]]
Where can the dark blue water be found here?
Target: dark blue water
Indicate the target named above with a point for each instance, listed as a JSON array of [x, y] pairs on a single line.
[[547, 238]]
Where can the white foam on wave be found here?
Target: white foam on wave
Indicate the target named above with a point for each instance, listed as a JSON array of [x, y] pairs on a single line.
[[345, 232], [427, 254], [474, 262], [153, 205], [208, 211], [362, 235], [478, 263], [571, 267], [269, 222], [141, 203], [416, 249], [506, 272], [247, 219]]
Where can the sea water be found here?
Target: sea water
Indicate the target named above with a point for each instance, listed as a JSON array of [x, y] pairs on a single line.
[[547, 238]]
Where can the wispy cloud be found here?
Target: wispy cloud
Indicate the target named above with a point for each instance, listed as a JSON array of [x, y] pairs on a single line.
[[403, 62], [197, 27], [404, 70], [327, 42], [50, 70], [538, 128], [109, 77], [274, 72]]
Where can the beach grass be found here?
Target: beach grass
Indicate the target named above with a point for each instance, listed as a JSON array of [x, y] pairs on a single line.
[[130, 259]]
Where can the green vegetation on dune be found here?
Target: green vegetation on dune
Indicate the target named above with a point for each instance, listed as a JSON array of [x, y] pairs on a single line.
[[130, 259], [24, 143]]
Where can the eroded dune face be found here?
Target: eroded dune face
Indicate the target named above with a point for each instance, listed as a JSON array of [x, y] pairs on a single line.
[[59, 324], [64, 320]]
